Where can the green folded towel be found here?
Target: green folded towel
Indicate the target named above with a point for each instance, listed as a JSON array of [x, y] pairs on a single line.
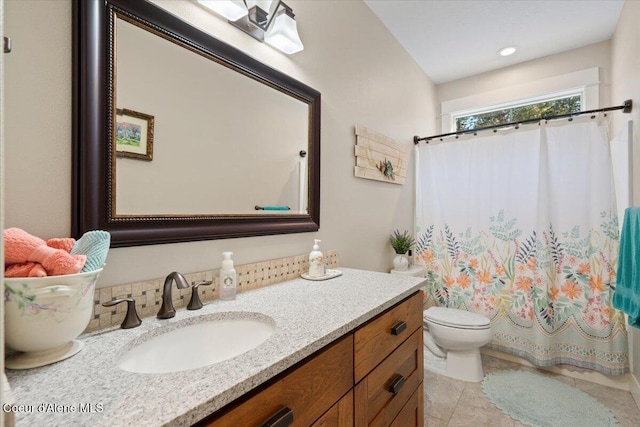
[[95, 245], [626, 297]]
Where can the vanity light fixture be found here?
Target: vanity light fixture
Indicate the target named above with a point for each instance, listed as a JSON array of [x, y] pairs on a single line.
[[228, 9], [506, 51], [270, 21]]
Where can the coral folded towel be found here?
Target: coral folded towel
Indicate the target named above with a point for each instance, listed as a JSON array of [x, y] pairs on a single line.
[[27, 255], [95, 245], [626, 297], [25, 269], [64, 243]]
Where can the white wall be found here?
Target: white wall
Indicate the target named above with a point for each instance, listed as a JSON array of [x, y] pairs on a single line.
[[625, 78], [6, 418], [365, 77]]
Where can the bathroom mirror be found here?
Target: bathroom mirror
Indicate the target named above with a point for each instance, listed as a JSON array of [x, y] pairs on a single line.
[[180, 137]]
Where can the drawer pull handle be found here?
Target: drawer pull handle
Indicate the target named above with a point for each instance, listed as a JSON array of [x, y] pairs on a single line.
[[396, 384], [398, 328], [282, 418]]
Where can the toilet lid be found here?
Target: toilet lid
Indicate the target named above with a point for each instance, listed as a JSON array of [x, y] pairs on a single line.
[[456, 318]]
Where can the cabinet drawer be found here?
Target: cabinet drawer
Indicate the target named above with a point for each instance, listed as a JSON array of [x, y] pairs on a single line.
[[382, 394], [412, 415], [340, 414], [378, 338], [307, 391]]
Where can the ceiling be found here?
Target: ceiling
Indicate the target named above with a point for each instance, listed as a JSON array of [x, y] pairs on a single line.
[[451, 40]]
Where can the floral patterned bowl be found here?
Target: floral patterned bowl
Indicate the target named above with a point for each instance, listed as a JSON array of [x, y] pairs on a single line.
[[43, 315]]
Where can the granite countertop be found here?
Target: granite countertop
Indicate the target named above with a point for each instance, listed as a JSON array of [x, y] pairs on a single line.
[[89, 389]]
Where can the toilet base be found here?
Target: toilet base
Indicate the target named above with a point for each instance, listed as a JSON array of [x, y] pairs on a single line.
[[461, 365], [434, 363]]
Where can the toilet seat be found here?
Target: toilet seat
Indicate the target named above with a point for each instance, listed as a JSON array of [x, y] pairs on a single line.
[[454, 318]]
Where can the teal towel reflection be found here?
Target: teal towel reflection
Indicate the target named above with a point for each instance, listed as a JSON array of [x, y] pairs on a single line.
[[272, 208]]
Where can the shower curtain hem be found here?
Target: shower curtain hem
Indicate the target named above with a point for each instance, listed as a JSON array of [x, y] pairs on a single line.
[[545, 363]]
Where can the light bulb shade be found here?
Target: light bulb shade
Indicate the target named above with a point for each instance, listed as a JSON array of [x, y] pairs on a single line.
[[283, 34], [229, 9]]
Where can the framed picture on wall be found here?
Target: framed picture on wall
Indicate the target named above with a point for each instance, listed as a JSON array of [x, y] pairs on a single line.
[[134, 134]]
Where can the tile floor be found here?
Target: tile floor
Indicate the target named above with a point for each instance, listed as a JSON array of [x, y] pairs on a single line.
[[454, 403]]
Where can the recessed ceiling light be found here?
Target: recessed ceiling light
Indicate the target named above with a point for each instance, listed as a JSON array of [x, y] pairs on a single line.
[[506, 51]]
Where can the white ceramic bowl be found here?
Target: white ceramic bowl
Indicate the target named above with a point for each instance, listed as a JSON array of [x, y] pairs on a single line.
[[43, 315]]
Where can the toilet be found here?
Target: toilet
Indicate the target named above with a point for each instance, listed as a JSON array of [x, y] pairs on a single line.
[[452, 340]]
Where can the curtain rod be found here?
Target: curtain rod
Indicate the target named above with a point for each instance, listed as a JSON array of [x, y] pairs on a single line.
[[626, 108]]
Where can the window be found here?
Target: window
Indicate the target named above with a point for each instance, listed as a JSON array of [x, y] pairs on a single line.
[[523, 110]]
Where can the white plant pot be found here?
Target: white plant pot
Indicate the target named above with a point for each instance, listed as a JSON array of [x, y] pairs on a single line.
[[43, 315], [400, 262]]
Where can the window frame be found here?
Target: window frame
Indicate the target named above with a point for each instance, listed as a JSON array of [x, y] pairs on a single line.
[[586, 79], [569, 93]]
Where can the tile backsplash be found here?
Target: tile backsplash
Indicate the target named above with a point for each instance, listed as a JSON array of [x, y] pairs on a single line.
[[148, 293]]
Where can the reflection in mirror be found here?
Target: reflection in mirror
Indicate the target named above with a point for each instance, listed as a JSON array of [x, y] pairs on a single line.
[[222, 143], [180, 137]]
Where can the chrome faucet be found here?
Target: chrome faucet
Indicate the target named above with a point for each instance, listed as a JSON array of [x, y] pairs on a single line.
[[167, 310]]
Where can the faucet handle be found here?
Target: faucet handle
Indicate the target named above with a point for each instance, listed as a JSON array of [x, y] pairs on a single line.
[[195, 303], [131, 320]]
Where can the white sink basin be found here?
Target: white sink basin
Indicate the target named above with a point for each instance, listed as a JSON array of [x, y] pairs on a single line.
[[197, 345]]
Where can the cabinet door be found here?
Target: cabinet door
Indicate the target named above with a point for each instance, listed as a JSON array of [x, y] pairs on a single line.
[[382, 394], [378, 338], [412, 415], [340, 414], [300, 397]]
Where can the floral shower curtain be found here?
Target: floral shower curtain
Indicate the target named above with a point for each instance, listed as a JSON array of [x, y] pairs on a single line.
[[521, 226]]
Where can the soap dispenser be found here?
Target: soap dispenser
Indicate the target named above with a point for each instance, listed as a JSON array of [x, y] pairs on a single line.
[[316, 261], [228, 283]]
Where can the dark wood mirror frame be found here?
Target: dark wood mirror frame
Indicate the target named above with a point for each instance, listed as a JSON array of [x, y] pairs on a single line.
[[93, 120]]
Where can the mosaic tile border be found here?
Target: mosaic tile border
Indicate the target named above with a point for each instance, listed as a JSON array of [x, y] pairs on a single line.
[[148, 294]]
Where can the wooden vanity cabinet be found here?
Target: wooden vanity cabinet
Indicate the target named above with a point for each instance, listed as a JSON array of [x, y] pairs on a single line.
[[382, 394], [376, 339], [370, 377], [300, 396], [340, 414], [389, 367]]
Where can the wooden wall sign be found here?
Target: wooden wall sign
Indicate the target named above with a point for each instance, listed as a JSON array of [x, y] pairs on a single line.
[[379, 157]]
